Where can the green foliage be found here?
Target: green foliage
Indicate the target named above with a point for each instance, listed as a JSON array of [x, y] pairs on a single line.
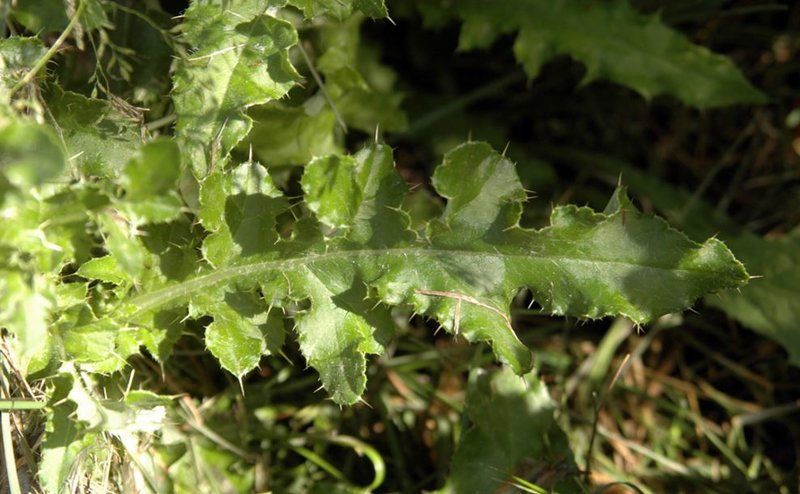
[[639, 51], [511, 424], [360, 88], [31, 155], [46, 16], [99, 138], [17, 56], [239, 59], [284, 135], [462, 273], [340, 9], [765, 304], [150, 179], [768, 304], [127, 244]]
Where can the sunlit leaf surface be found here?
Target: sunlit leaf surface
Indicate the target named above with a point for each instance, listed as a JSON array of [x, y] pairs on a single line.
[[361, 258]]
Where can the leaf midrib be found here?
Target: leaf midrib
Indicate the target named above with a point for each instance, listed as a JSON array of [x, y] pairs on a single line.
[[163, 296]]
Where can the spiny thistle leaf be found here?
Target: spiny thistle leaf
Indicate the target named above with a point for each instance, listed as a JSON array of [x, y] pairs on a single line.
[[463, 273], [241, 60], [614, 42], [766, 304], [340, 9]]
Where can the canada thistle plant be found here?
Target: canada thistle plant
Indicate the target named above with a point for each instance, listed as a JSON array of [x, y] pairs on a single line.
[[121, 230]]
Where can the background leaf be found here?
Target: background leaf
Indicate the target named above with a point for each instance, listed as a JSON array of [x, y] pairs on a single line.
[[639, 52], [150, 179], [284, 135], [340, 9], [29, 155], [512, 433], [46, 16], [767, 304], [26, 305], [17, 56], [62, 442], [361, 88]]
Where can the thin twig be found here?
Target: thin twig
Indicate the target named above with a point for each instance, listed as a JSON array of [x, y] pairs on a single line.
[[598, 404], [8, 445], [52, 51], [321, 85]]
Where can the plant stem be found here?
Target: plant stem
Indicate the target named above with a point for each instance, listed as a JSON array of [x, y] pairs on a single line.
[[321, 85], [8, 446], [160, 123], [52, 51], [8, 454], [7, 405]]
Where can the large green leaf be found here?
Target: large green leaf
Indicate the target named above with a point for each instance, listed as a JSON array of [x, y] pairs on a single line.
[[240, 59], [463, 273], [614, 42]]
